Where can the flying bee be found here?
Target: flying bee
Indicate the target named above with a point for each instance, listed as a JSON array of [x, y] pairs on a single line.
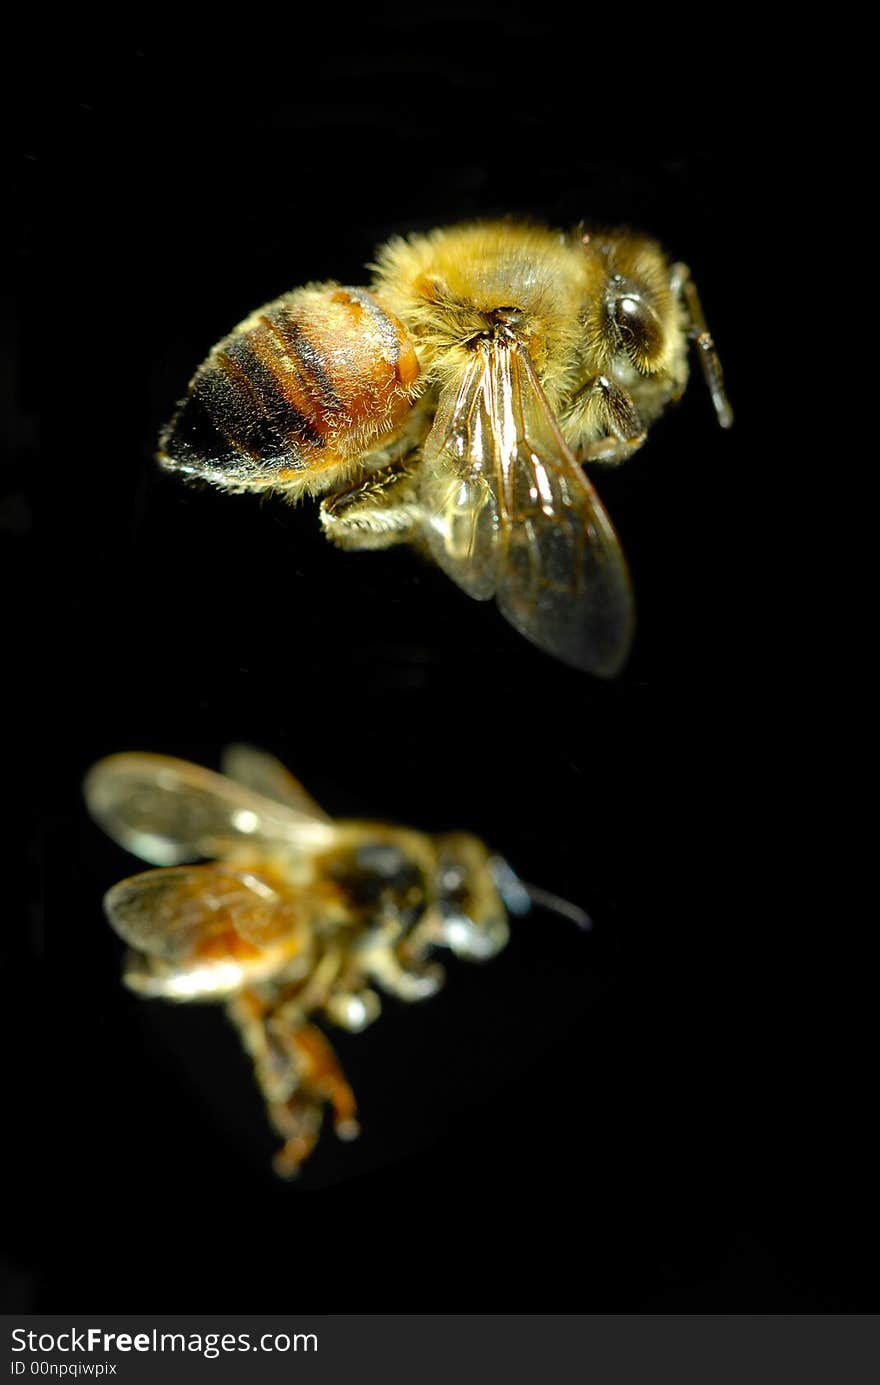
[[290, 915], [451, 404]]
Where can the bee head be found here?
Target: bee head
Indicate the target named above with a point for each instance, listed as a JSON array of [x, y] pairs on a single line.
[[476, 891], [468, 902]]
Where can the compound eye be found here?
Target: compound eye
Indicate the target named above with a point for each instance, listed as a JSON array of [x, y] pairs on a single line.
[[639, 329]]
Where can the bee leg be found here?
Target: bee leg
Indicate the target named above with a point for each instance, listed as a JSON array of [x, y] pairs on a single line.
[[606, 405], [406, 983], [610, 451], [297, 1072], [352, 1009], [321, 1080], [342, 1000], [298, 1122], [685, 290], [383, 510]]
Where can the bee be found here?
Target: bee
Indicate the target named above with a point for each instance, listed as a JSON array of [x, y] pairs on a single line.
[[451, 404], [289, 915]]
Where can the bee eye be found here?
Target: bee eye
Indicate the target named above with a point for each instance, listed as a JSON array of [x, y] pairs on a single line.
[[638, 328]]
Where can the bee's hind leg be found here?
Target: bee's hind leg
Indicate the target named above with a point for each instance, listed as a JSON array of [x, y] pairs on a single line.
[[297, 1072], [321, 1079], [380, 511]]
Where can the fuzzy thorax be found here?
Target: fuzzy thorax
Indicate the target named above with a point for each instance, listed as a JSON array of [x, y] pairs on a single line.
[[455, 285]]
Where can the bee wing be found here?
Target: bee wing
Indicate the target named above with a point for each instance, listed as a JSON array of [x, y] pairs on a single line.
[[204, 931], [509, 513], [458, 485], [263, 774], [167, 811]]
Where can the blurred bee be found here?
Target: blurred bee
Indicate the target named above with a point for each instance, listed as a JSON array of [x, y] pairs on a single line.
[[451, 405], [293, 915]]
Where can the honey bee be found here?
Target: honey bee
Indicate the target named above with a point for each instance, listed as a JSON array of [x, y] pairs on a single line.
[[450, 406], [290, 915]]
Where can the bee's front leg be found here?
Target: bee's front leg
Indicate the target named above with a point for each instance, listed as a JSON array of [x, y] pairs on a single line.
[[297, 1072], [406, 982], [685, 290], [605, 408]]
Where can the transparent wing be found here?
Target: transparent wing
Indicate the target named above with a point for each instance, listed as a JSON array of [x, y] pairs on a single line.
[[263, 774], [167, 811], [459, 480], [509, 513], [203, 931]]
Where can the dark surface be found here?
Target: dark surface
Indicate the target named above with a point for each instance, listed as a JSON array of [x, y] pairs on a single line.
[[607, 1122]]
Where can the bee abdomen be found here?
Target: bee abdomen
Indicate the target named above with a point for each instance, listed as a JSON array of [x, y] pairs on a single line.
[[302, 385]]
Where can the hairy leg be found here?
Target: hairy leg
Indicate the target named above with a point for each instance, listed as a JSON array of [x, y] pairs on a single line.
[[297, 1072], [378, 512], [604, 414]]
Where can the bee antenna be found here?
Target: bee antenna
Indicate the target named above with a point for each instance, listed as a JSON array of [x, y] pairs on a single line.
[[519, 896], [545, 900]]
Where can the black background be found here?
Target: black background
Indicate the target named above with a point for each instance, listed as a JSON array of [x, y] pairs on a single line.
[[613, 1122]]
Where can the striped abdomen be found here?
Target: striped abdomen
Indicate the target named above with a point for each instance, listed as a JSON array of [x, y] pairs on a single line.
[[301, 386]]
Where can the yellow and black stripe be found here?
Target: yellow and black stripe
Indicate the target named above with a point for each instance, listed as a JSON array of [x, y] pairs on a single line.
[[296, 387]]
